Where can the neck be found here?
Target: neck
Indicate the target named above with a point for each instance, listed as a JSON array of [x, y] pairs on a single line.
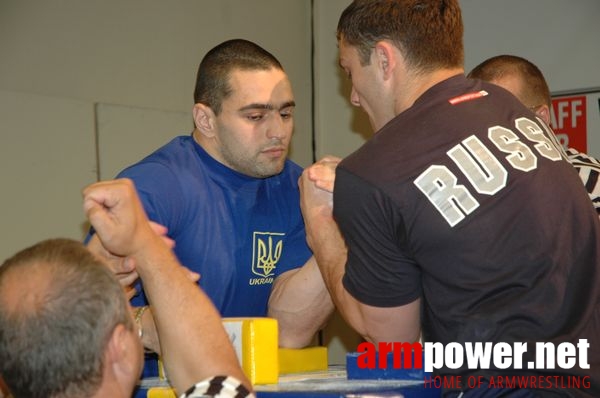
[[412, 87], [113, 390], [208, 144], [115, 385], [197, 136]]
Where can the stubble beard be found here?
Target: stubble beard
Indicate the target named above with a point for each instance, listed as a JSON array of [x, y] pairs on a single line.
[[257, 166]]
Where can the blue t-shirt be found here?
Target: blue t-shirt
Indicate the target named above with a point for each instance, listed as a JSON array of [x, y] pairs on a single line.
[[238, 232]]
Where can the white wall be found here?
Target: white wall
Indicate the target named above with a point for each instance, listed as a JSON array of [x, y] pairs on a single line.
[[142, 53], [43, 167], [559, 36]]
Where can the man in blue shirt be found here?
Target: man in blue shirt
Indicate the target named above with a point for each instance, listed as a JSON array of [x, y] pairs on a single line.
[[229, 198]]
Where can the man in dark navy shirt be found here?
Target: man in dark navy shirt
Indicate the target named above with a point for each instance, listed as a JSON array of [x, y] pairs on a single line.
[[459, 219]]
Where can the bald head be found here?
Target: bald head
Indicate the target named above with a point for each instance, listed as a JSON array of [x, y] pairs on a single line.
[[519, 76], [29, 289], [58, 305]]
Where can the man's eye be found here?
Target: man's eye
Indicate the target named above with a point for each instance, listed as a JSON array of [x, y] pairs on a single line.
[[254, 117], [287, 114]]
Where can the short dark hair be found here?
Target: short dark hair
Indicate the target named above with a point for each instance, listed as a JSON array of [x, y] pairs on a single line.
[[428, 32], [212, 80], [52, 341], [535, 90]]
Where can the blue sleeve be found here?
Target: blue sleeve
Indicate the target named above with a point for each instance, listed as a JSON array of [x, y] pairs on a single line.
[[160, 193], [159, 190]]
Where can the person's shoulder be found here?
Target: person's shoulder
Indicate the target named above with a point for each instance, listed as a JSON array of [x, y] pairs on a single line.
[[168, 156], [492, 90], [371, 153], [172, 150]]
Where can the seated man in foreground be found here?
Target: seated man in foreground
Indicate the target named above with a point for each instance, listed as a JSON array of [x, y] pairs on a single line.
[[66, 328]]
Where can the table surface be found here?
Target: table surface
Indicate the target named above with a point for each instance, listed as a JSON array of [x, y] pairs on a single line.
[[334, 383], [327, 384]]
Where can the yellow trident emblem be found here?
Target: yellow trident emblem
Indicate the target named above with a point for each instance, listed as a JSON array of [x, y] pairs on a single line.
[[267, 252]]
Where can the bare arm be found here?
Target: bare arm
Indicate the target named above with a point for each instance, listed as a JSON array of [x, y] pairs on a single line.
[[325, 239], [301, 304], [194, 343], [123, 269]]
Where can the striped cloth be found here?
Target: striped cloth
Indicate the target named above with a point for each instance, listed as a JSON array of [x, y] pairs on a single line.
[[587, 167], [589, 171], [220, 387]]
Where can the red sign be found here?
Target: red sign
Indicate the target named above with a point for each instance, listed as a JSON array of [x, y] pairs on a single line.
[[569, 121]]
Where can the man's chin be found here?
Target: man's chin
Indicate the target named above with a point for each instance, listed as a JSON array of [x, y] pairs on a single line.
[[270, 170]]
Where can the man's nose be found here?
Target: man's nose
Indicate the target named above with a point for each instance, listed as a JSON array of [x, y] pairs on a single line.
[[277, 127]]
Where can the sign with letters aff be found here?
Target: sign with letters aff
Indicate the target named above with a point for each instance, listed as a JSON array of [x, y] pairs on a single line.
[[576, 120]]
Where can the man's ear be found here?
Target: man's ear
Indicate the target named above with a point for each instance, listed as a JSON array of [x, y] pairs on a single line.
[[385, 58], [121, 353], [204, 119], [543, 112]]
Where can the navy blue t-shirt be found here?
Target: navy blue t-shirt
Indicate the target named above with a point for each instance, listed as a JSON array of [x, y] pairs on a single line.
[[463, 201], [238, 232]]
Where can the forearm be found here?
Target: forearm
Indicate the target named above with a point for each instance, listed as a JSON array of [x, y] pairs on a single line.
[[328, 246], [301, 304], [375, 324], [173, 298], [329, 249], [193, 342], [123, 270]]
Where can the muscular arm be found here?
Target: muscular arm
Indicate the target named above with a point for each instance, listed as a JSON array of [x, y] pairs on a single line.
[[401, 323], [301, 304], [194, 343], [123, 269]]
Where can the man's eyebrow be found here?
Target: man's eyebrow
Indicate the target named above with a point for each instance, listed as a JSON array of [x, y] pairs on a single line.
[[267, 106]]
